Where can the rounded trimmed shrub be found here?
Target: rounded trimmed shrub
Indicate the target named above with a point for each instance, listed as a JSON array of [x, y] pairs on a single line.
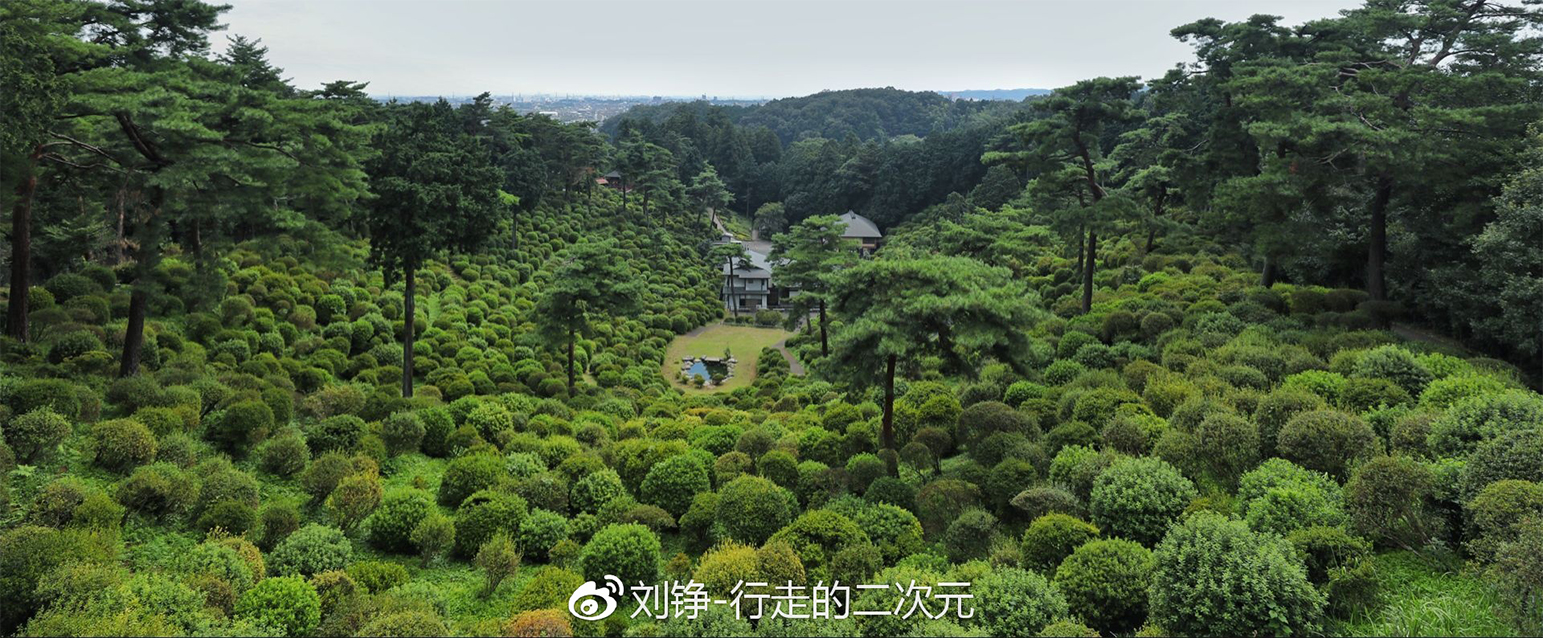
[[1386, 500], [485, 514], [540, 530], [1105, 583], [941, 501], [311, 550], [752, 508], [628, 551], [674, 482], [1514, 455], [1053, 537], [595, 489], [121, 445], [403, 432], [287, 604], [1214, 576], [1139, 498], [390, 527], [1470, 422], [724, 566], [1327, 441], [35, 434], [1015, 602], [284, 455], [467, 474], [240, 426], [817, 536]]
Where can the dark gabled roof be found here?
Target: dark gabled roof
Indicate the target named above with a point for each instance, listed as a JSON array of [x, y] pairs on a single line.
[[859, 227], [757, 267]]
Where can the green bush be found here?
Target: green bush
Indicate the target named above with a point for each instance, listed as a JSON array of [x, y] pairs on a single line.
[[284, 455], [484, 514], [57, 395], [377, 576], [941, 501], [1518, 577], [863, 470], [237, 428], [540, 530], [1497, 512], [234, 517], [1014, 602], [1278, 408], [434, 536], [355, 498], [1513, 455], [986, 418], [674, 482], [1386, 499], [1230, 445], [724, 566], [1053, 537], [1327, 441], [1362, 395], [158, 490], [751, 509], [817, 536], [595, 489], [341, 432], [627, 551], [1470, 422], [311, 550], [390, 527], [287, 604], [969, 536], [468, 474], [1105, 583], [1214, 576], [35, 434], [1139, 498], [403, 432], [1394, 364], [120, 445]]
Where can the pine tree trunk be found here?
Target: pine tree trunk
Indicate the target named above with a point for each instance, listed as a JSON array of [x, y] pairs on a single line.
[[1087, 271], [1151, 241], [139, 299], [1082, 249], [888, 431], [514, 231], [570, 358], [21, 252], [134, 335], [1377, 246], [409, 312], [733, 302], [1269, 274], [824, 340]]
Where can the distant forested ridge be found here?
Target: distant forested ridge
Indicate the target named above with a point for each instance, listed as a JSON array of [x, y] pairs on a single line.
[[885, 153], [995, 94]]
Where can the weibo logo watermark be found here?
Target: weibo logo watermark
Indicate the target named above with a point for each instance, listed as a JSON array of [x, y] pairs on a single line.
[[586, 601], [596, 600]]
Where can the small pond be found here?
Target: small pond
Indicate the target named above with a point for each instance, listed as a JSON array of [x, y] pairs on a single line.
[[700, 368]]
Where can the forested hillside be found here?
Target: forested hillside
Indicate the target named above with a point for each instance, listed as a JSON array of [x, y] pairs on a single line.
[[1250, 349]]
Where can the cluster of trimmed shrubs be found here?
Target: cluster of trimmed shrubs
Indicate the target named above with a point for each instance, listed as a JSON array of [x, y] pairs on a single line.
[[1198, 455]]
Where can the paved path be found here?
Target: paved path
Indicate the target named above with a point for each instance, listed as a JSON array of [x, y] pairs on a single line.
[[794, 367]]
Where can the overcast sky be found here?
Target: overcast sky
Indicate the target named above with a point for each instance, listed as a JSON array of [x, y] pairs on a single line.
[[727, 47]]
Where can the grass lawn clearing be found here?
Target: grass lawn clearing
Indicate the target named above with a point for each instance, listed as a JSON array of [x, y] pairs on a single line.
[[744, 342]]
